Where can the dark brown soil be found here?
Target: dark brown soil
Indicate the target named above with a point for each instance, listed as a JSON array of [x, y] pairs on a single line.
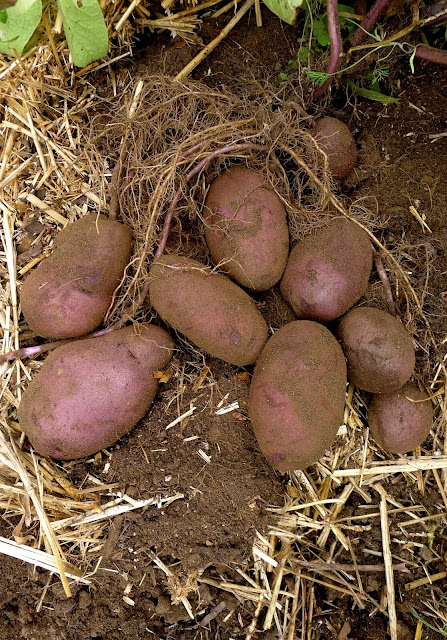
[[213, 461]]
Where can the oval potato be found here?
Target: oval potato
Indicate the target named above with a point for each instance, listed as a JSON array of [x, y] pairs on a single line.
[[91, 392], [246, 228], [69, 293], [378, 349], [337, 142], [328, 272], [397, 424], [297, 395], [208, 308]]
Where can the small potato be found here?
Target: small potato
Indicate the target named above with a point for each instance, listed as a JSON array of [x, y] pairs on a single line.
[[337, 142], [210, 310], [397, 424], [297, 395], [246, 228], [378, 349], [328, 272], [91, 392], [69, 293]]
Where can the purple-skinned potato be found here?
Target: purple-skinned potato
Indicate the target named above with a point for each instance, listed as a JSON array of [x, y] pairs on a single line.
[[91, 392], [297, 395], [69, 293]]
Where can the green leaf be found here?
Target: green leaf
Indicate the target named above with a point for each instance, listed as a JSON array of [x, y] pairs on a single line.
[[17, 25], [286, 10], [321, 32], [372, 95], [85, 30], [317, 77], [344, 8], [303, 54]]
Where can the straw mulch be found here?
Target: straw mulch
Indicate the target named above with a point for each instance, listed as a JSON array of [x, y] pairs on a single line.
[[66, 151]]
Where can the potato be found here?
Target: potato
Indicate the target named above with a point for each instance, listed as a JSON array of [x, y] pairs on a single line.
[[89, 393], [378, 349], [297, 395], [397, 424], [209, 309], [337, 142], [69, 293], [328, 272], [246, 228]]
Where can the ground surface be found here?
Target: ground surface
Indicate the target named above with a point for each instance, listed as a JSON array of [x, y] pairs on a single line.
[[213, 460]]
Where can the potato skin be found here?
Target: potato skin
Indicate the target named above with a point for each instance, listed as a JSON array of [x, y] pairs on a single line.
[[337, 142], [378, 349], [397, 424], [91, 392], [328, 272], [69, 293], [246, 228], [209, 309], [297, 395]]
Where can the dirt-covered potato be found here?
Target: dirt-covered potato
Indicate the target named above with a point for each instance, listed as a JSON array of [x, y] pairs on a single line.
[[69, 293], [210, 310], [401, 420], [246, 228], [328, 271], [297, 395], [378, 349], [337, 142], [91, 392]]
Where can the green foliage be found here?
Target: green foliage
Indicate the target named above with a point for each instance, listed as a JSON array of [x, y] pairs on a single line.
[[315, 34], [442, 632], [17, 25], [84, 28], [372, 94], [286, 10], [347, 25]]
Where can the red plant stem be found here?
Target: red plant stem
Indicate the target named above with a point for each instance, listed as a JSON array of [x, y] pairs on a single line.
[[333, 27], [242, 146], [167, 223], [377, 10], [191, 150], [385, 281], [27, 352], [431, 54]]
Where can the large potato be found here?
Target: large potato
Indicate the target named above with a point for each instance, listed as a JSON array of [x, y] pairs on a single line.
[[209, 309], [246, 228], [328, 272], [378, 349], [91, 392], [337, 142], [297, 395], [401, 420], [69, 293]]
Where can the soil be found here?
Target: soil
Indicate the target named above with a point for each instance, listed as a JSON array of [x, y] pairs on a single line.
[[212, 460]]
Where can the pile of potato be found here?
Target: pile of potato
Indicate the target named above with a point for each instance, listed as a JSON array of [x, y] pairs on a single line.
[[90, 392]]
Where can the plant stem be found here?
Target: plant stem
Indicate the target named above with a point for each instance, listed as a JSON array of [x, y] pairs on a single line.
[[167, 223], [385, 281], [431, 54], [333, 27], [27, 352], [378, 9]]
